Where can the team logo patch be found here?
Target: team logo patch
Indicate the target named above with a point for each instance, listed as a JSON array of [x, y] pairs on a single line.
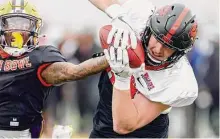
[[193, 31], [13, 65], [148, 81]]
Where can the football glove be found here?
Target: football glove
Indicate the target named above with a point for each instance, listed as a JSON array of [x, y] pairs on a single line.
[[60, 131], [119, 63], [121, 30]]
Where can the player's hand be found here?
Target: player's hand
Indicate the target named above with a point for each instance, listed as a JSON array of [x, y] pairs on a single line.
[[60, 131], [121, 32], [119, 62]]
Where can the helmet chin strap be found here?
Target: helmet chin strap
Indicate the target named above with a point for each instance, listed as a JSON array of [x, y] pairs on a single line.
[[153, 59], [154, 64], [14, 51]]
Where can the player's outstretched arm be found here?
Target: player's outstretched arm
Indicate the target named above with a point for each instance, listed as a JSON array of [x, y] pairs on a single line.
[[60, 72], [120, 20], [103, 4], [111, 7]]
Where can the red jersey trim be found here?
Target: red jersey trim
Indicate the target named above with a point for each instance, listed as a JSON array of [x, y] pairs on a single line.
[[4, 54], [39, 71]]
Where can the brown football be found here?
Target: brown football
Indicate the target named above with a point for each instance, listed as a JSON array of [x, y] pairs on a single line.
[[136, 56]]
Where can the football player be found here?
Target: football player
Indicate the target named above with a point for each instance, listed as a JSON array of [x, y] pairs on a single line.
[[136, 102], [28, 72]]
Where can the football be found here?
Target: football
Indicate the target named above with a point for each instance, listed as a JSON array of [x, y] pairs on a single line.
[[136, 56]]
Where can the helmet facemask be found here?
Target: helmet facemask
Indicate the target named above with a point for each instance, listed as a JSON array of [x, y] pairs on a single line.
[[150, 62], [19, 33]]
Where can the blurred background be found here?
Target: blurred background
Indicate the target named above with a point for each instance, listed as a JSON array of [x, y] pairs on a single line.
[[72, 26]]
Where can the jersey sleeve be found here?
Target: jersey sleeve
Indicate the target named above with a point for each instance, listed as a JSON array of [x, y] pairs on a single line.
[[52, 54], [177, 89], [174, 95], [49, 55]]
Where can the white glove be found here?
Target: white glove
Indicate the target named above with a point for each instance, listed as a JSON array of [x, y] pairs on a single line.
[[119, 63], [60, 131], [121, 28]]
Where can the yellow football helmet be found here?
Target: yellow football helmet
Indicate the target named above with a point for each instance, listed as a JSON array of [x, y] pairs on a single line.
[[20, 25]]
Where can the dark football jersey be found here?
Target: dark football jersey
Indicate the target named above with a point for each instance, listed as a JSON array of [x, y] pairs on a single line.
[[22, 90], [103, 124]]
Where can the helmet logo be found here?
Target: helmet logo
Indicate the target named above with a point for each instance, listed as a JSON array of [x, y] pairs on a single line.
[[17, 40], [193, 31]]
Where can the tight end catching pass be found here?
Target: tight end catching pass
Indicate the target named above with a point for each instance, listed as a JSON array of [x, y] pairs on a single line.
[[136, 102]]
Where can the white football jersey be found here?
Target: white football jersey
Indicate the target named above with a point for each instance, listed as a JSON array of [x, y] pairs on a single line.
[[175, 86]]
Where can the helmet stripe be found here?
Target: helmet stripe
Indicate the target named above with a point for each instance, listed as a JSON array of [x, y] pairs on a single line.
[[22, 4], [176, 25], [17, 8], [18, 3], [13, 4]]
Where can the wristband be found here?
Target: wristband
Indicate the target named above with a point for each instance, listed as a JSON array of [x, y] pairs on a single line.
[[122, 83], [114, 11]]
